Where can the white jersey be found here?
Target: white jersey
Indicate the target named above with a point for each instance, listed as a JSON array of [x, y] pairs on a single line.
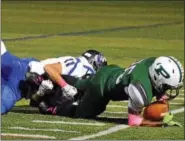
[[76, 67], [3, 48]]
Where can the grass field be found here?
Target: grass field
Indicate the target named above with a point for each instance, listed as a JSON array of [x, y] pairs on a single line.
[[123, 31]]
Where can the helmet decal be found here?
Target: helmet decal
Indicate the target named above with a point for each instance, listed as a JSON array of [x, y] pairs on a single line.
[[166, 74], [95, 58], [162, 71]]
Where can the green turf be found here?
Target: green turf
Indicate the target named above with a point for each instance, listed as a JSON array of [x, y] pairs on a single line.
[[122, 47]]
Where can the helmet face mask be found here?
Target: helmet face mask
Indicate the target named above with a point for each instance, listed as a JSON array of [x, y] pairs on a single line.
[[170, 92], [31, 84], [166, 74], [95, 58], [99, 61]]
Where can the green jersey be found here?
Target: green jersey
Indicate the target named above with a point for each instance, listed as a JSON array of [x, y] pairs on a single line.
[[136, 73], [115, 83]]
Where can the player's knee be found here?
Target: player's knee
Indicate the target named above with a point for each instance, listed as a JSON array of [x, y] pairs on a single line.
[[6, 105], [7, 99]]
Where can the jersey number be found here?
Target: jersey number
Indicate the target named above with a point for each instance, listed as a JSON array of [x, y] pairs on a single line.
[[131, 68], [127, 71], [71, 61]]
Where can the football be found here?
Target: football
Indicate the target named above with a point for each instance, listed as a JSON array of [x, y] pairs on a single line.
[[156, 110]]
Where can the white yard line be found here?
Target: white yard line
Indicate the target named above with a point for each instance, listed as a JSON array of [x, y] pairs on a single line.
[[117, 106], [173, 103], [70, 123], [179, 98], [115, 129], [107, 112], [28, 136], [180, 110], [114, 117], [38, 129], [101, 133]]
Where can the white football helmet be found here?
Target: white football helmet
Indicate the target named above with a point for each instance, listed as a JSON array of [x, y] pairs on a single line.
[[167, 73]]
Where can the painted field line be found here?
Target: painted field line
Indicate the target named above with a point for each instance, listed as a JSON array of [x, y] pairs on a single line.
[[173, 103], [28, 136], [179, 98], [117, 106], [178, 111], [107, 112], [95, 31], [113, 117], [115, 129], [38, 129], [69, 123], [181, 95], [101, 133]]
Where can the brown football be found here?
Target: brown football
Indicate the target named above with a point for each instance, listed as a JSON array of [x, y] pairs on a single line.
[[155, 109]]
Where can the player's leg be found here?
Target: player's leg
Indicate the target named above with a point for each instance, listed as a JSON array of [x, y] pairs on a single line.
[[92, 104], [8, 98], [93, 101], [56, 103]]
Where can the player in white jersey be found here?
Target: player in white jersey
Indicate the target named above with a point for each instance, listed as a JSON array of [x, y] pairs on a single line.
[[76, 67], [79, 67]]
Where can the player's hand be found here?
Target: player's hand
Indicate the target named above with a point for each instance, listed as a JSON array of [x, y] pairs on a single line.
[[174, 123], [167, 118], [69, 90], [45, 85]]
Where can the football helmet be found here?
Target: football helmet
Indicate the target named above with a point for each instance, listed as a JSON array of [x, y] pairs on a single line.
[[95, 58], [31, 84], [166, 74]]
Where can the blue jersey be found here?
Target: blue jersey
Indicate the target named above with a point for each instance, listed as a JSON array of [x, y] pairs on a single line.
[[13, 70]]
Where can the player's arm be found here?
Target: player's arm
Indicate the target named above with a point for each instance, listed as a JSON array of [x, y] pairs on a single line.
[[136, 119], [54, 72], [138, 99], [51, 67]]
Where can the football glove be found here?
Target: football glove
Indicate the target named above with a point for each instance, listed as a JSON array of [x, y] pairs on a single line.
[[167, 120], [174, 123], [69, 90], [45, 85]]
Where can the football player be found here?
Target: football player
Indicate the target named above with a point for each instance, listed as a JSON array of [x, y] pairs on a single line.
[[13, 71], [143, 80], [79, 67]]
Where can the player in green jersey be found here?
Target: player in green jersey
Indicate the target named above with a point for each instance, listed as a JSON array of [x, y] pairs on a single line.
[[138, 84]]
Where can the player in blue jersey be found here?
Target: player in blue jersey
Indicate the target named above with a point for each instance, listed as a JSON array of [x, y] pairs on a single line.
[[13, 71]]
